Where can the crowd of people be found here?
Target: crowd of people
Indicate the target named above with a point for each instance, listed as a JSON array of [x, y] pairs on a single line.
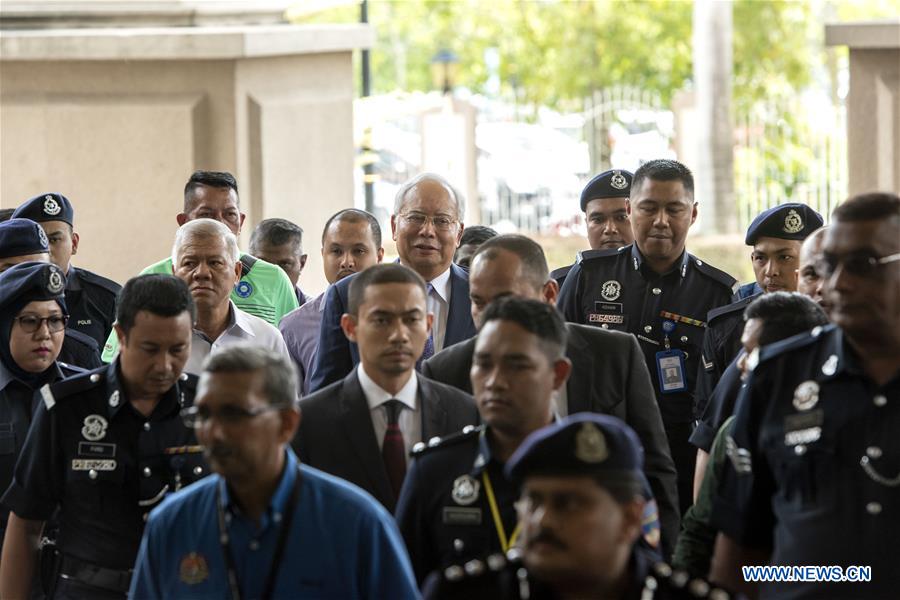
[[461, 422]]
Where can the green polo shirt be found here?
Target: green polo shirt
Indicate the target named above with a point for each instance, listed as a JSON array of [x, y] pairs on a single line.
[[264, 291]]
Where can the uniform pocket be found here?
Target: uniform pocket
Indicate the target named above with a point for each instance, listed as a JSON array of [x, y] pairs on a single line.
[[7, 438]]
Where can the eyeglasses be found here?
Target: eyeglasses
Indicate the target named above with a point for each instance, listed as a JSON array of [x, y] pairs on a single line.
[[860, 265], [418, 220], [31, 323], [195, 417]]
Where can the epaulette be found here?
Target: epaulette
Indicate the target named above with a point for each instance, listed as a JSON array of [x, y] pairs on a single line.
[[468, 432], [70, 370], [560, 273], [478, 567], [801, 340], [586, 255], [664, 580], [713, 273], [98, 280], [740, 305], [83, 339], [71, 385]]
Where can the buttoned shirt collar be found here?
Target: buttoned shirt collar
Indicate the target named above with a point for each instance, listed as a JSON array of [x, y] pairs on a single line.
[[637, 260], [484, 448], [116, 396], [237, 324], [376, 396], [278, 501]]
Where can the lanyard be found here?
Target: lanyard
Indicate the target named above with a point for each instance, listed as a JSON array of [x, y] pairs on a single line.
[[269, 585], [495, 512]]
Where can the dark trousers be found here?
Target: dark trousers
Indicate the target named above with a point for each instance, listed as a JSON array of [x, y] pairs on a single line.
[[684, 455]]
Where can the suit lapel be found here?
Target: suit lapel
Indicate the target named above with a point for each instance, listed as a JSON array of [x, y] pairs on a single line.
[[581, 381], [434, 415], [459, 317], [356, 420]]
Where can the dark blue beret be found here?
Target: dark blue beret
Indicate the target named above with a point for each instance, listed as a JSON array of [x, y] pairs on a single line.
[[791, 221], [609, 184], [30, 281], [47, 207], [584, 444], [19, 237]]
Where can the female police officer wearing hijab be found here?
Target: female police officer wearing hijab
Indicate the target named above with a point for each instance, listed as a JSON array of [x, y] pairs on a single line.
[[32, 327]]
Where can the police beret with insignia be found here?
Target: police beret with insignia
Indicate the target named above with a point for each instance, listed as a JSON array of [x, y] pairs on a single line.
[[584, 444], [31, 281], [51, 206], [20, 237], [791, 221], [609, 184]]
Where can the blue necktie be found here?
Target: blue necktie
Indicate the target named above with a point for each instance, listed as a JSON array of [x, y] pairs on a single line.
[[428, 351]]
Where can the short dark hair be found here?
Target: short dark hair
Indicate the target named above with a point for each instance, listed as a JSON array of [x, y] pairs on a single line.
[[784, 314], [534, 263], [663, 170], [377, 275], [354, 215], [279, 374], [534, 316], [216, 179], [276, 232], [476, 234], [161, 295], [868, 207]]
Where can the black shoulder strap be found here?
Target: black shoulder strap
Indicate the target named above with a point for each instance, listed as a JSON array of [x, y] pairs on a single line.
[[247, 263]]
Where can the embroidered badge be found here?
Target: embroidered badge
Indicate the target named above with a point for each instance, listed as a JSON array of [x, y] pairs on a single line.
[[193, 569], [793, 223], [806, 395], [611, 290], [740, 457], [830, 366], [618, 181], [55, 281], [84, 464], [43, 237], [51, 206], [597, 318], [465, 490], [590, 445], [114, 399], [243, 289], [94, 428]]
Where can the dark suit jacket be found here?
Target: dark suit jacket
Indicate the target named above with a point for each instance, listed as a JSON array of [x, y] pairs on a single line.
[[336, 433], [336, 355], [609, 376]]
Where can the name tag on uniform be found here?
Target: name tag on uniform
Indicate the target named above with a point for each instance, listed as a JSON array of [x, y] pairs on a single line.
[[82, 464], [803, 428], [456, 515], [670, 367], [94, 449], [598, 318]]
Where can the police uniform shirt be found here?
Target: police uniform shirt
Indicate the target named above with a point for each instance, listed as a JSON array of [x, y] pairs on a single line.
[[444, 511], [91, 300], [90, 453], [814, 469], [616, 289], [719, 408]]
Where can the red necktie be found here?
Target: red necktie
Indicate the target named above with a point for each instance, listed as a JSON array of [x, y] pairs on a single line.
[[393, 450]]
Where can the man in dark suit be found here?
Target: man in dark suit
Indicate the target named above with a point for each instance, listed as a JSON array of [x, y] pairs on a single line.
[[362, 427], [426, 225], [608, 372]]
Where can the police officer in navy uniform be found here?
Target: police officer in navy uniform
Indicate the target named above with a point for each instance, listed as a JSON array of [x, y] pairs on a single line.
[[105, 448], [659, 292], [32, 324], [23, 240], [776, 235], [580, 517], [603, 202], [91, 298], [814, 470]]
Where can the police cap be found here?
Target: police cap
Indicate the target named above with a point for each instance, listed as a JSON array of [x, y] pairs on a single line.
[[791, 221], [19, 237], [31, 281], [47, 207], [609, 184], [584, 444]]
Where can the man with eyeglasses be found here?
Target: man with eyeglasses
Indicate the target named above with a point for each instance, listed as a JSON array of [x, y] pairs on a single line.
[[104, 448], [265, 526], [427, 225], [814, 444]]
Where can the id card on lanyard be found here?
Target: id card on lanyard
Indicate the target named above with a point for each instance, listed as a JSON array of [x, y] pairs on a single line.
[[670, 365]]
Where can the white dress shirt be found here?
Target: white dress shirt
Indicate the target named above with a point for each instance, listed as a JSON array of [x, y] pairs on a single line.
[[242, 328], [410, 419], [438, 303]]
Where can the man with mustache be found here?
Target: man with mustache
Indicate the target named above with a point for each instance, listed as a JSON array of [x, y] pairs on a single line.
[[579, 514], [362, 427], [205, 256], [104, 448], [351, 242], [656, 290], [814, 441], [427, 225], [603, 202], [265, 526]]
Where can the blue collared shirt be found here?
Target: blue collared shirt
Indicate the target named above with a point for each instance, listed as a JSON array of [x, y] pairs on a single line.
[[342, 544]]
